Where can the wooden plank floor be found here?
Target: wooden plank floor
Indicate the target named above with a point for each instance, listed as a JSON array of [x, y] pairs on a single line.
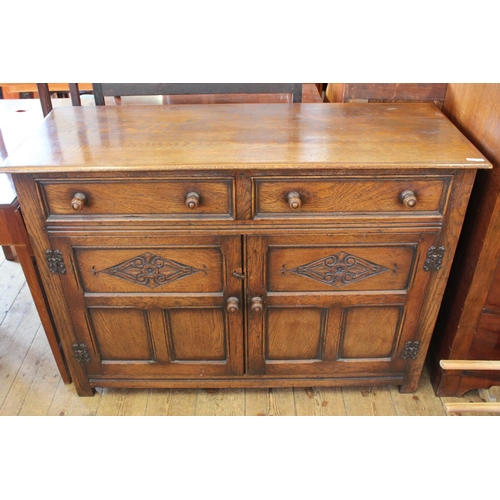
[[30, 383]]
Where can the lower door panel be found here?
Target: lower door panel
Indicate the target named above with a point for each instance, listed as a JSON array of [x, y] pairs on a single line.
[[153, 308], [335, 306]]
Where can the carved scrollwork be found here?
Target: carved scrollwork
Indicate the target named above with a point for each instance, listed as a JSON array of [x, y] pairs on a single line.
[[339, 269], [151, 270]]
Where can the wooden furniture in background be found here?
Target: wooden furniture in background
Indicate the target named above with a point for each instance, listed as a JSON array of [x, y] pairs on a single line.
[[209, 92], [13, 236], [468, 326], [466, 365], [311, 93], [46, 100], [245, 245], [387, 92], [307, 93], [8, 251], [13, 90], [16, 246]]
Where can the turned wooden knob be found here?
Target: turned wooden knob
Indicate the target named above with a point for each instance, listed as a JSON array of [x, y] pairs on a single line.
[[294, 200], [408, 198], [257, 304], [192, 200], [78, 201], [232, 304]]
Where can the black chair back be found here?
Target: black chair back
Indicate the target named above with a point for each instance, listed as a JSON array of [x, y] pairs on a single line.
[[140, 89]]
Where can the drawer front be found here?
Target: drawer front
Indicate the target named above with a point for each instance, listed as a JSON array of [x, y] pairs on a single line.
[[306, 197], [159, 198]]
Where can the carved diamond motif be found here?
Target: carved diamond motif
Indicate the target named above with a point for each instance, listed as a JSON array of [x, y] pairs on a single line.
[[151, 270], [339, 269]]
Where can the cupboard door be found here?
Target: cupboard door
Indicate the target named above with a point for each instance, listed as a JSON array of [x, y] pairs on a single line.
[[335, 306], [155, 307]]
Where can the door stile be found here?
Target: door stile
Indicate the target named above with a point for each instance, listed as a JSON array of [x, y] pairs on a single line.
[[256, 288], [71, 284], [416, 292], [234, 287]]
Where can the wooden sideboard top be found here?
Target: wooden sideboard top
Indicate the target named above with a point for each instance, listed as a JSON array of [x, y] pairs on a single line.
[[221, 136]]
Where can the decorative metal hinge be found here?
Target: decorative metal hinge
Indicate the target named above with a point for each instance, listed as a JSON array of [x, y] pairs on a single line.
[[55, 261], [81, 352], [411, 350], [434, 259]]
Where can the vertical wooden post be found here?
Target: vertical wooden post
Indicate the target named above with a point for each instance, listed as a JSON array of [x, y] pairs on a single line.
[[44, 94], [75, 94]]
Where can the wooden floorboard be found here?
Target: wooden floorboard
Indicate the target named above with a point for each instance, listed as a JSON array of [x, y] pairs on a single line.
[[422, 403], [66, 402], [11, 282], [269, 402], [171, 402], [368, 401], [319, 402], [123, 402], [220, 402], [31, 385]]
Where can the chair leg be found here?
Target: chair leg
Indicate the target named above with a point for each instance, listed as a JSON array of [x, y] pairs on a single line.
[[10, 253]]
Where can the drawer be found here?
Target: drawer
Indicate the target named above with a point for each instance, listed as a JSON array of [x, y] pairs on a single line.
[[192, 198], [310, 196]]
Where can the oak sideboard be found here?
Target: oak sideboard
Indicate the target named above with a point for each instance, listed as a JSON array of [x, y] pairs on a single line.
[[467, 332], [245, 245]]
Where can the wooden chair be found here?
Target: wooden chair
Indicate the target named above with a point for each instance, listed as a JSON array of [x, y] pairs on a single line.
[[191, 92], [15, 90], [15, 241], [46, 101], [16, 244], [459, 366], [195, 89], [7, 196]]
